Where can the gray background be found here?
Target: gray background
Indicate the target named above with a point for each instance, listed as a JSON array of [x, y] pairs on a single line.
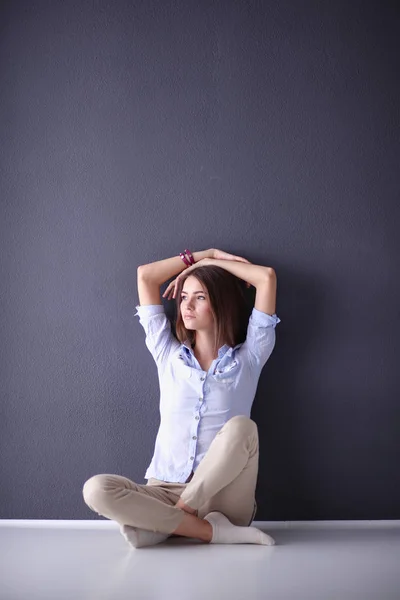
[[132, 130]]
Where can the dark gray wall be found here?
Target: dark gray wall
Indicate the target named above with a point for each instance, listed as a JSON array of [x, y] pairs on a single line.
[[132, 130]]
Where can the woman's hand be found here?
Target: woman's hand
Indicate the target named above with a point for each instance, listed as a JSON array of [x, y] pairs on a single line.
[[221, 255]]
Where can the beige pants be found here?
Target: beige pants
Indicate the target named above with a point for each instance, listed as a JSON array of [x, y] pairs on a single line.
[[225, 481]]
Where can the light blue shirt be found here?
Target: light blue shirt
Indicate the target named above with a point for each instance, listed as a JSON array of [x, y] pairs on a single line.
[[195, 404]]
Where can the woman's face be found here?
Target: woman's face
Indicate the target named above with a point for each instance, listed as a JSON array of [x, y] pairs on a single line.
[[195, 302]]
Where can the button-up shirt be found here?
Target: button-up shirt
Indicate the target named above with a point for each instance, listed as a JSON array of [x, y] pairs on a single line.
[[195, 404]]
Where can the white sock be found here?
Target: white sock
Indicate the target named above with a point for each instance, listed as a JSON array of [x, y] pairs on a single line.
[[141, 537], [224, 532]]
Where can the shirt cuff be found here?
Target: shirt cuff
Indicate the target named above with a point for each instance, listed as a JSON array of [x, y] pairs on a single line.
[[149, 310], [261, 319]]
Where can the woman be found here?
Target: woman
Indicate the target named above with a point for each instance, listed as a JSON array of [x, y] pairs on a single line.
[[202, 478]]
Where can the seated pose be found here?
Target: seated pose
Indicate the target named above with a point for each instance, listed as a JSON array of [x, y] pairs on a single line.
[[202, 479]]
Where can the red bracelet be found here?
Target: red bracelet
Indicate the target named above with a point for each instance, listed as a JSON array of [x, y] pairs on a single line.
[[190, 256], [185, 260]]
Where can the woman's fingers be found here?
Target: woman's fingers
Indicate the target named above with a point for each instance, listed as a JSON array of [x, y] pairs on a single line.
[[175, 288], [168, 291], [220, 254], [241, 259], [171, 290]]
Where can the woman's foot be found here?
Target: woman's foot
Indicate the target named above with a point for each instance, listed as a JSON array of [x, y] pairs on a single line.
[[138, 538], [193, 527], [224, 532]]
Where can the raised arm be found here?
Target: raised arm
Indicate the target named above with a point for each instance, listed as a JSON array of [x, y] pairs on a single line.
[[263, 278]]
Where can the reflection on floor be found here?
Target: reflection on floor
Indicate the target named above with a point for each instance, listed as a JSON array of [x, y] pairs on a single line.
[[90, 560]]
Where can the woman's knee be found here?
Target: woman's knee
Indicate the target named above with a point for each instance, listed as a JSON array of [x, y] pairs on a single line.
[[95, 487], [242, 425]]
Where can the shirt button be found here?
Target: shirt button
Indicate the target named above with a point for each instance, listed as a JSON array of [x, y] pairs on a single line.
[[192, 458], [202, 378], [197, 418], [200, 398], [194, 437]]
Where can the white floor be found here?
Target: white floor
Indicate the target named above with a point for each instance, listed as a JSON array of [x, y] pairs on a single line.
[[90, 560]]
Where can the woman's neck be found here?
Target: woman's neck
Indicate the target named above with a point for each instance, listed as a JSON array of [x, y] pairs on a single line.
[[203, 347]]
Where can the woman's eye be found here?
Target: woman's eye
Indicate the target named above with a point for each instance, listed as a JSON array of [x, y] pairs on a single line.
[[184, 297]]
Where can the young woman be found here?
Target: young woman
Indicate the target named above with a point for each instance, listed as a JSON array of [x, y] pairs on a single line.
[[202, 478]]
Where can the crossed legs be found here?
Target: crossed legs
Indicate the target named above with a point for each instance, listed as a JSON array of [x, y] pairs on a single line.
[[224, 481]]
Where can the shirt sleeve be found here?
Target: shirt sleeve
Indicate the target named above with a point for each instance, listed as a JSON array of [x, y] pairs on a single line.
[[159, 338], [260, 339]]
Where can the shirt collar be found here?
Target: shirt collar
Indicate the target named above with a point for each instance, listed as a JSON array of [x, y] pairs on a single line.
[[225, 349]]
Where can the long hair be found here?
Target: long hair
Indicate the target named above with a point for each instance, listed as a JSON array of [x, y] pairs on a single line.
[[228, 306]]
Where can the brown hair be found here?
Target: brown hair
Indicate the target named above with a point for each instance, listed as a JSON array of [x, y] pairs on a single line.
[[228, 306]]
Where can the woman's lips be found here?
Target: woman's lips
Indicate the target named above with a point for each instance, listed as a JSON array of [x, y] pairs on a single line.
[[189, 317]]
